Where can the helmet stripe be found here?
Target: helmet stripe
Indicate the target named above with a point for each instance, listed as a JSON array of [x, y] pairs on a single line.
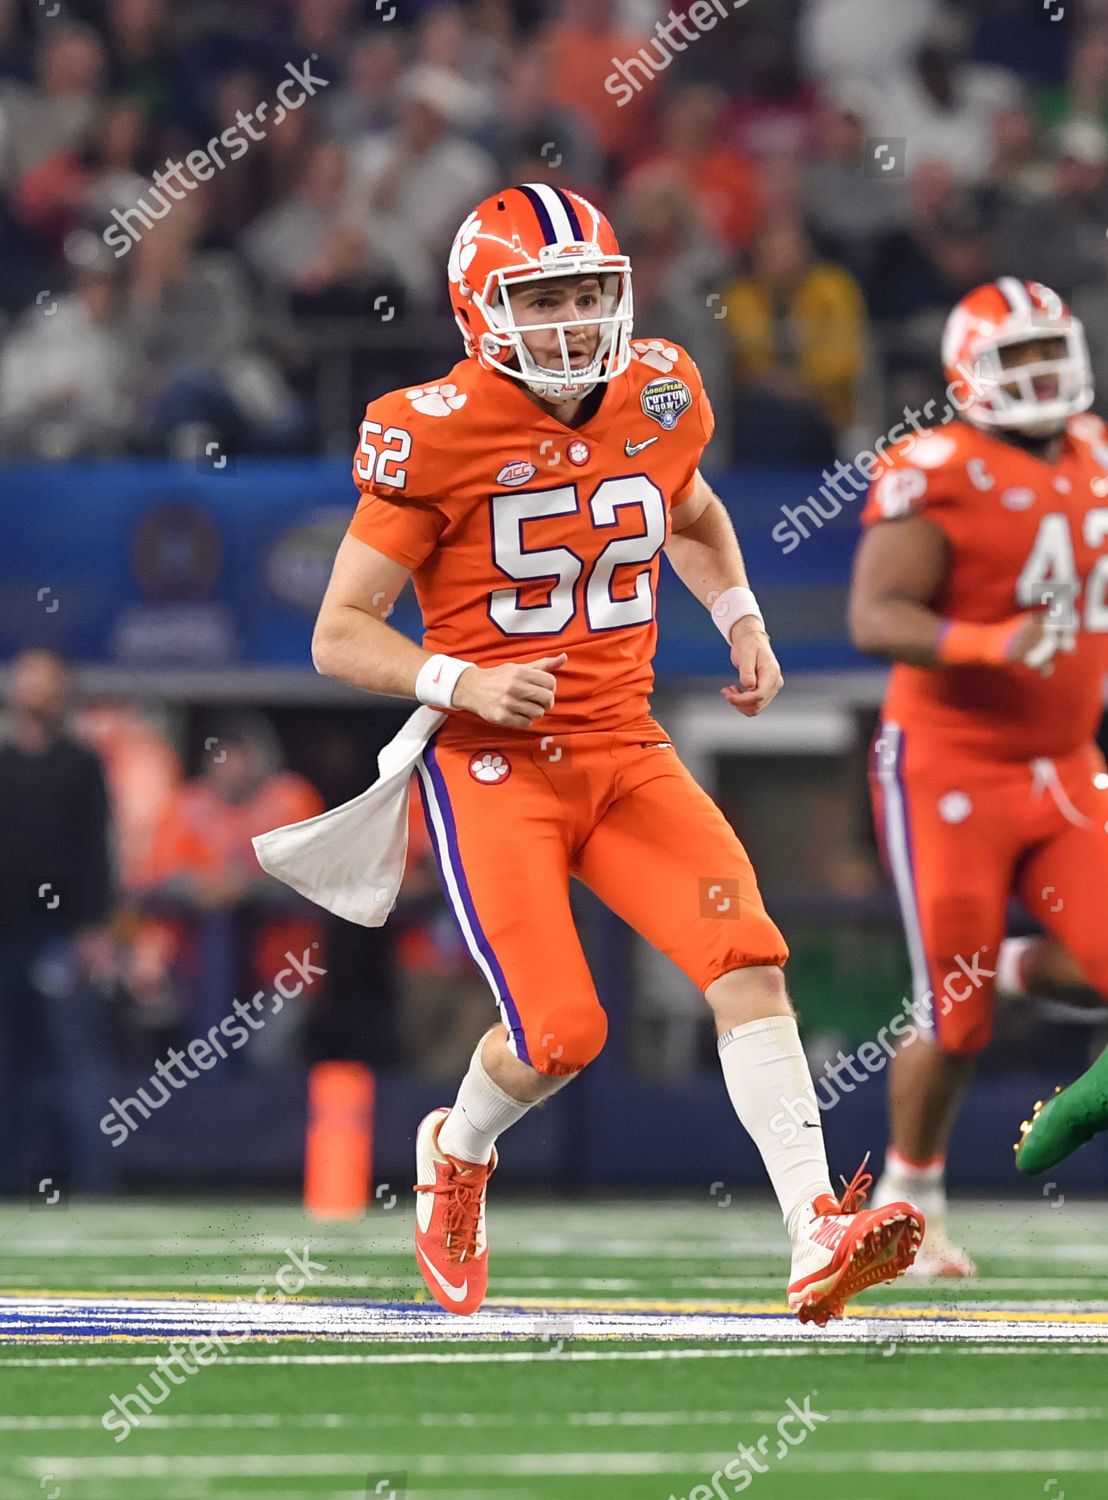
[[571, 214], [1015, 294], [556, 208], [541, 213]]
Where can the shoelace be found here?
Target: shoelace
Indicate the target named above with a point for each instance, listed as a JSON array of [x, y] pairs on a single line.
[[461, 1210], [855, 1191]]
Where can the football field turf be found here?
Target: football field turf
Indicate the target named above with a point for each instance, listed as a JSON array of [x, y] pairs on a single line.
[[627, 1350]]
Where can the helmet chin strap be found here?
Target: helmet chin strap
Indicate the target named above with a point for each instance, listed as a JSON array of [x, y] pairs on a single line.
[[562, 394]]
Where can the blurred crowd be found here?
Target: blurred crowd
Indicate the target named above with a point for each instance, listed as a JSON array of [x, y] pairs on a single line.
[[133, 916], [805, 189]]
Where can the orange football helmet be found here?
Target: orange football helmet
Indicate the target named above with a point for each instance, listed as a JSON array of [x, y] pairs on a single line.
[[992, 393], [534, 233]]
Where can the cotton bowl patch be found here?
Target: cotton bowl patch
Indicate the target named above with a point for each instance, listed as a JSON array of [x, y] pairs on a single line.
[[664, 400], [489, 767]]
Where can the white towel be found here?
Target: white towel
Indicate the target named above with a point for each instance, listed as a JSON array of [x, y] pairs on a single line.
[[350, 860]]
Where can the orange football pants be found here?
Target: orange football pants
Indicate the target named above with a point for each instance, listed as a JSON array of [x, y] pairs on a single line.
[[960, 835], [514, 815]]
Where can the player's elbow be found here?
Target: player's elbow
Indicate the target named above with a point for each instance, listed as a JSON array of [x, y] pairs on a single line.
[[324, 652]]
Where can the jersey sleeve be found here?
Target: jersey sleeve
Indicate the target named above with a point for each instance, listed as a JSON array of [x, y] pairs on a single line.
[[399, 511], [925, 478], [704, 423], [664, 364]]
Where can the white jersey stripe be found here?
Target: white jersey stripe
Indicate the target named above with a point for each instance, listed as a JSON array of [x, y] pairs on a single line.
[[898, 847], [454, 894]]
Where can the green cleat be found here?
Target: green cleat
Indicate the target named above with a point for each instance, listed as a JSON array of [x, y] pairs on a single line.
[[1059, 1125]]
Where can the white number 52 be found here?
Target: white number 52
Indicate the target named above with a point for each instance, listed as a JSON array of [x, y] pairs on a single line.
[[384, 456]]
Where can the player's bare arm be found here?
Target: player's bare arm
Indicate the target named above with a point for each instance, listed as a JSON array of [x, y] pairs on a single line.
[[704, 552], [898, 571], [353, 643]]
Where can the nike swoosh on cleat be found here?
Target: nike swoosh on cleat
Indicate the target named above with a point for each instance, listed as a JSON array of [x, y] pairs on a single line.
[[455, 1293], [631, 448]]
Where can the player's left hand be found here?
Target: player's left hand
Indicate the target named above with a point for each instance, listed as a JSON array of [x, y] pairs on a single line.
[[760, 678]]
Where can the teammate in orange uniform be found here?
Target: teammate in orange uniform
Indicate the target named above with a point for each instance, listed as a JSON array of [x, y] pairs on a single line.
[[530, 493], [983, 575]]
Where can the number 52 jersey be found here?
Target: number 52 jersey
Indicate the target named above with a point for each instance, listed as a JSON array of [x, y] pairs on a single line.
[[1022, 535], [527, 538]]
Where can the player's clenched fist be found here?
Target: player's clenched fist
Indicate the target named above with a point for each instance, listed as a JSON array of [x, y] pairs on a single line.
[[760, 678], [515, 694]]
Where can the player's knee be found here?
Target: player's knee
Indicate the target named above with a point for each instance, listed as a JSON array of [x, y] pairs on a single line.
[[748, 993], [570, 1042]]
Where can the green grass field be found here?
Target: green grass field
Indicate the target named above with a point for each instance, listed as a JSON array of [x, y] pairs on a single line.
[[628, 1349]]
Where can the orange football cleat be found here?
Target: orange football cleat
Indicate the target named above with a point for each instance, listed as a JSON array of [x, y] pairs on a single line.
[[450, 1241], [842, 1248]]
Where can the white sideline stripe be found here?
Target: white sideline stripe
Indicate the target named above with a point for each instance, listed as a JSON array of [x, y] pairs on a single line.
[[526, 1465], [83, 1319], [328, 1421]]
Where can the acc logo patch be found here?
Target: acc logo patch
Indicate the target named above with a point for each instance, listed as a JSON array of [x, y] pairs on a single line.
[[664, 400], [489, 767], [517, 472]]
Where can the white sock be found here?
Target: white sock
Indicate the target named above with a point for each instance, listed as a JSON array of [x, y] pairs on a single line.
[[771, 1091], [922, 1183], [481, 1111], [1010, 965]]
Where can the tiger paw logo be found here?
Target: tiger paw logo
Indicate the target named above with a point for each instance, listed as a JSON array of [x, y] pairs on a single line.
[[463, 249], [656, 354], [489, 767], [436, 400]]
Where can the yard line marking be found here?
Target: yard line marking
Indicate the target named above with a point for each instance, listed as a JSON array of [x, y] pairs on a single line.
[[928, 1415], [467, 1357], [527, 1465], [184, 1283], [331, 1421], [580, 1356]]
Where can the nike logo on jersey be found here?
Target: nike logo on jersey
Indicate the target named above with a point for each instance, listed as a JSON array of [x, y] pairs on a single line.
[[455, 1293], [631, 448]]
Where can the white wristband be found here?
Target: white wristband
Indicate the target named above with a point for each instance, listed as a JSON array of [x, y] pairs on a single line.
[[438, 678], [731, 606]]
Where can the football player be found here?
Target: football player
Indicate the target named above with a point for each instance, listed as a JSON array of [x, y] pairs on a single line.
[[983, 575], [530, 494]]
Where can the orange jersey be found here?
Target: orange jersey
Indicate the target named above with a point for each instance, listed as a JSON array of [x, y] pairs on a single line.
[[527, 538], [1022, 534]]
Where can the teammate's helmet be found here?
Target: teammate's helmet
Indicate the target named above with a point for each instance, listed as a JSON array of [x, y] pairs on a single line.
[[996, 393], [535, 233]]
